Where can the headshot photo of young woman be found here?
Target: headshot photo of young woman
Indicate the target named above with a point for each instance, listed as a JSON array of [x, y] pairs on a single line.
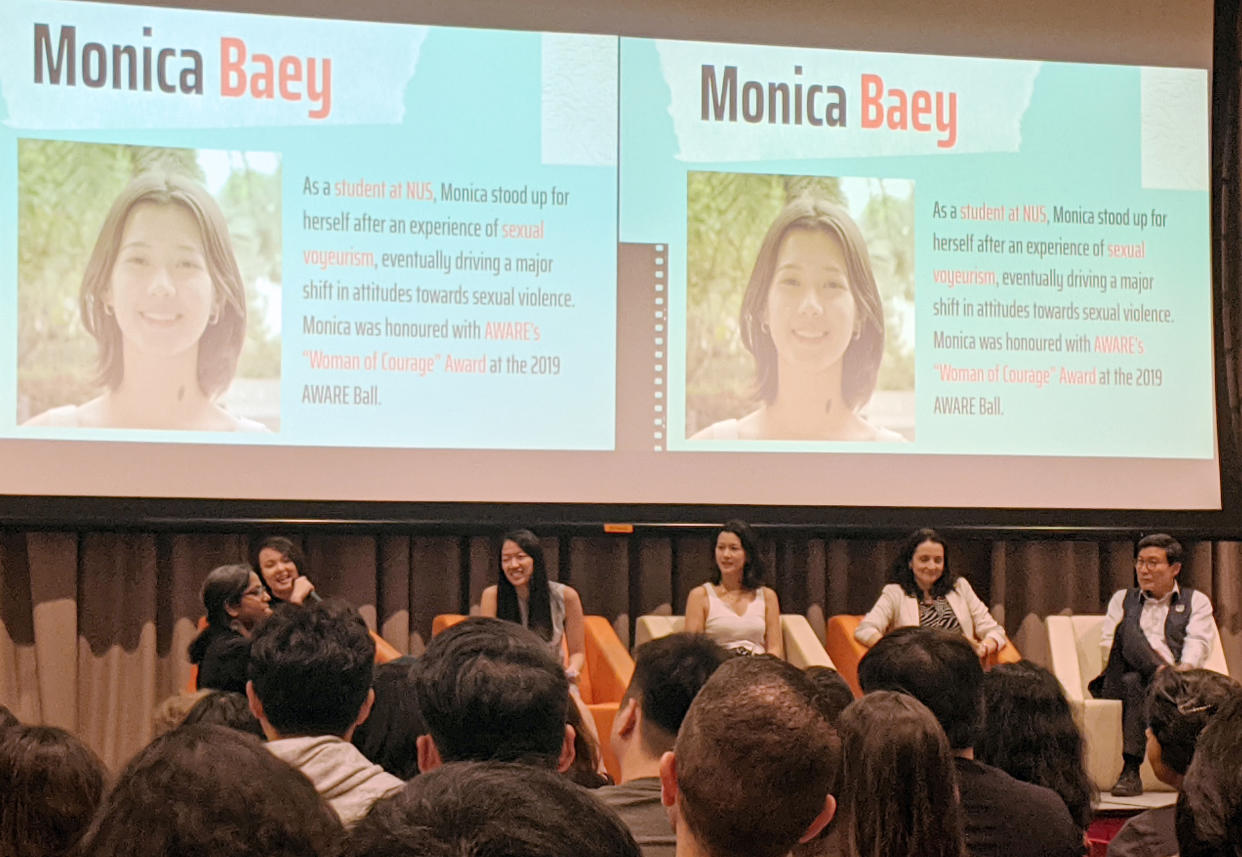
[[812, 321], [163, 298]]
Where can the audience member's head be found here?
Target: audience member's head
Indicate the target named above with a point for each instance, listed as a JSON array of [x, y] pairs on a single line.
[[1179, 706], [490, 690], [585, 769], [310, 671], [898, 785], [208, 790], [224, 708], [668, 674], [50, 785], [937, 668], [389, 736], [834, 694], [1028, 731], [484, 809], [171, 712], [754, 762], [1209, 807]]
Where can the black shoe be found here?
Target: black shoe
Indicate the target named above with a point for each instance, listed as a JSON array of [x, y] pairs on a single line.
[[1129, 784]]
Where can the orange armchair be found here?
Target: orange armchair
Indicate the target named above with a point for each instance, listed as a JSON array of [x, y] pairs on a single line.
[[605, 675], [846, 652]]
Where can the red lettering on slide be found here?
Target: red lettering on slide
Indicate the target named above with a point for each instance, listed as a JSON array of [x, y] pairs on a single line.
[[909, 112], [266, 77]]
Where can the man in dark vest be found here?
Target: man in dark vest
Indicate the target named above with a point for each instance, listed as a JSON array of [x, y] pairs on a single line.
[[1154, 625]]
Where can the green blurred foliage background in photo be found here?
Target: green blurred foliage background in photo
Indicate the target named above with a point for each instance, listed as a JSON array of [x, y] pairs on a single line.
[[728, 215], [64, 192]]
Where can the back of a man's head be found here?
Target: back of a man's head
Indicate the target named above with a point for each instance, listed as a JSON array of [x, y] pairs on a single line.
[[668, 674], [1209, 806], [482, 809], [490, 690], [311, 668], [938, 668], [754, 760]]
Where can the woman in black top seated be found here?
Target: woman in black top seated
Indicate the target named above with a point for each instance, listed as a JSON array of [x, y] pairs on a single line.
[[236, 603]]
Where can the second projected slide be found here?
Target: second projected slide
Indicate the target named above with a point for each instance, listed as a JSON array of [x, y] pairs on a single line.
[[251, 229], [907, 254]]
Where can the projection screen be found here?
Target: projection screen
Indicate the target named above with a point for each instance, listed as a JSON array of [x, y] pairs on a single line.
[[860, 255]]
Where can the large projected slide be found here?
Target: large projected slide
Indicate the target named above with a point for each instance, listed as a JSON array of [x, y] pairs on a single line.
[[259, 257], [424, 221]]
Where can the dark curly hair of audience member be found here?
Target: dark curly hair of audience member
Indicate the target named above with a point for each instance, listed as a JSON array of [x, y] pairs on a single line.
[[211, 790], [1028, 731], [899, 787], [225, 708], [485, 809], [1209, 806], [938, 668], [50, 786], [312, 668], [389, 737], [1180, 703]]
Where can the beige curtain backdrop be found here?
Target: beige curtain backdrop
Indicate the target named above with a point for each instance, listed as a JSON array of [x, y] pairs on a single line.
[[94, 626]]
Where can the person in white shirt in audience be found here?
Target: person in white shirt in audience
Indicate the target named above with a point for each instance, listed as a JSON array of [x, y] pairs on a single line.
[[668, 673], [310, 685], [1154, 624]]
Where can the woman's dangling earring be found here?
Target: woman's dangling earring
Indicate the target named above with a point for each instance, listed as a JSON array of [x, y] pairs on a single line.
[[763, 325], [215, 315]]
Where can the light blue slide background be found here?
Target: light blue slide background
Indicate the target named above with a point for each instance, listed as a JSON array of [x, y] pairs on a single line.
[[409, 104], [1077, 130]]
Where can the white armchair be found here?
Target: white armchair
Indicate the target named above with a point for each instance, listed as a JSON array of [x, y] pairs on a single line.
[[802, 648], [1077, 657]]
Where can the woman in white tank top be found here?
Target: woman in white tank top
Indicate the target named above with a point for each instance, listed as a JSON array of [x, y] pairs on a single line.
[[735, 608]]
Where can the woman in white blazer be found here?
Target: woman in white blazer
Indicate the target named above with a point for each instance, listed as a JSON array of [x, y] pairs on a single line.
[[926, 593]]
